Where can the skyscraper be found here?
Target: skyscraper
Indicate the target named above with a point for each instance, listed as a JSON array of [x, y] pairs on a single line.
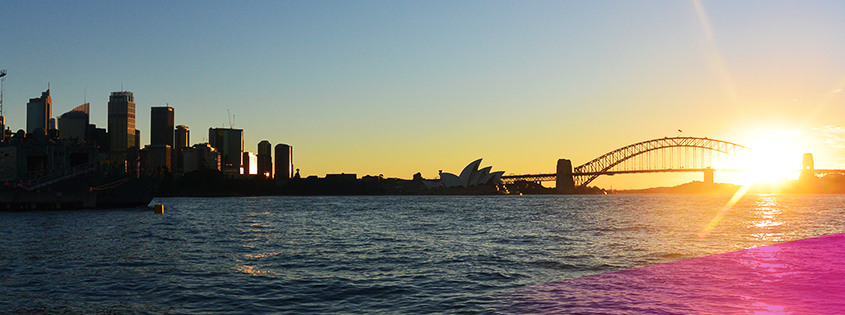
[[73, 125], [250, 164], [229, 143], [284, 162], [161, 131], [122, 127], [161, 125], [38, 112], [265, 160], [182, 142]]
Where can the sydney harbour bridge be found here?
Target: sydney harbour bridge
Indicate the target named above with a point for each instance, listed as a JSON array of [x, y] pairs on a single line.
[[663, 155]]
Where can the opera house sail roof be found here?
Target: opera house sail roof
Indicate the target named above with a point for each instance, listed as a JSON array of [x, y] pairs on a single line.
[[470, 176]]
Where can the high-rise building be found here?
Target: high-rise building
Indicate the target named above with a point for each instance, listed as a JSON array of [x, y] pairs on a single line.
[[161, 125], [158, 156], [182, 141], [137, 139], [229, 143], [200, 156], [38, 112], [284, 161], [161, 130], [99, 137], [122, 128], [265, 160], [73, 125], [250, 164]]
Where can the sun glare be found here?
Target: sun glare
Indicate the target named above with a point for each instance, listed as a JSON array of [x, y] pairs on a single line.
[[771, 161]]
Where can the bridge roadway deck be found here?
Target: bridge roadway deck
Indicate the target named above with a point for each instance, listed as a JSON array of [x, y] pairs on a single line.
[[552, 176]]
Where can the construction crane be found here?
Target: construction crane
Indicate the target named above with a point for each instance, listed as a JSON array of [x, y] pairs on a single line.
[[2, 118], [2, 88]]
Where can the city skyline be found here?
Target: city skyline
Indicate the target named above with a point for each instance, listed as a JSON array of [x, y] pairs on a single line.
[[399, 88]]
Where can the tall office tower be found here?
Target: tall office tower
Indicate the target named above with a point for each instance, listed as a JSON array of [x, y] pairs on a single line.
[[284, 161], [73, 125], [38, 112], [161, 130], [250, 162], [122, 128], [265, 160], [230, 144], [161, 125], [182, 142]]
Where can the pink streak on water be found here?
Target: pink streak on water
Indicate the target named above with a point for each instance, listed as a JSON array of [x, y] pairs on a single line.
[[800, 277]]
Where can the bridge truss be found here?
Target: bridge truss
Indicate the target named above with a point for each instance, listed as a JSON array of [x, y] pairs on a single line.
[[676, 154]]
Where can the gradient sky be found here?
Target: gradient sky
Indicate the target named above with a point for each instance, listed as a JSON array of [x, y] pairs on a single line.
[[399, 87]]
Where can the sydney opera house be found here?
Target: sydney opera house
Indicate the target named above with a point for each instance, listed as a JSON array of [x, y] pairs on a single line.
[[471, 176]]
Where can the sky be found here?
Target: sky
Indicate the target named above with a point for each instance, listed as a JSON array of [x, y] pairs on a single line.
[[400, 87]]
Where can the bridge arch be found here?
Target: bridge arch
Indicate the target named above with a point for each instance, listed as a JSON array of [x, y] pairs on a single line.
[[604, 165]]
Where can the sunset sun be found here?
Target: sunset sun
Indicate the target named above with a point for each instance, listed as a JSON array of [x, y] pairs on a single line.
[[770, 161]]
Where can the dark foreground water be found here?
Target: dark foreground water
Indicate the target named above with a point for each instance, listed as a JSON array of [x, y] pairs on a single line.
[[390, 254]]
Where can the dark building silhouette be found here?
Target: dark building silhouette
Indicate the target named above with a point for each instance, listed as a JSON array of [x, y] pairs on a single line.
[[182, 140], [73, 125], [284, 162], [99, 138], [161, 125], [200, 156], [161, 130], [265, 159], [137, 139], [122, 132], [229, 143], [158, 156], [38, 112]]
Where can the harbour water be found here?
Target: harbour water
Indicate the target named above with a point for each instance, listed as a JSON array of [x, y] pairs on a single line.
[[377, 254]]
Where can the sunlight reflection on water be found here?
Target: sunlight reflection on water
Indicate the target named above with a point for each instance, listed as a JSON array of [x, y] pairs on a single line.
[[391, 254]]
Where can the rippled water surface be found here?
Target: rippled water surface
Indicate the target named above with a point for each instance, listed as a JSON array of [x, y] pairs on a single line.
[[396, 254]]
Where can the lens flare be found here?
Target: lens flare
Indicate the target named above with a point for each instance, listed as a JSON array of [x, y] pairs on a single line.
[[727, 208]]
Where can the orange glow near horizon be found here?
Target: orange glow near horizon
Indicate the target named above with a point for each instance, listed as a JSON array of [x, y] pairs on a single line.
[[776, 158]]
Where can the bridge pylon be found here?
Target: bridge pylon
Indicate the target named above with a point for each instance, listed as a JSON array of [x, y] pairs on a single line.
[[708, 175], [564, 181]]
